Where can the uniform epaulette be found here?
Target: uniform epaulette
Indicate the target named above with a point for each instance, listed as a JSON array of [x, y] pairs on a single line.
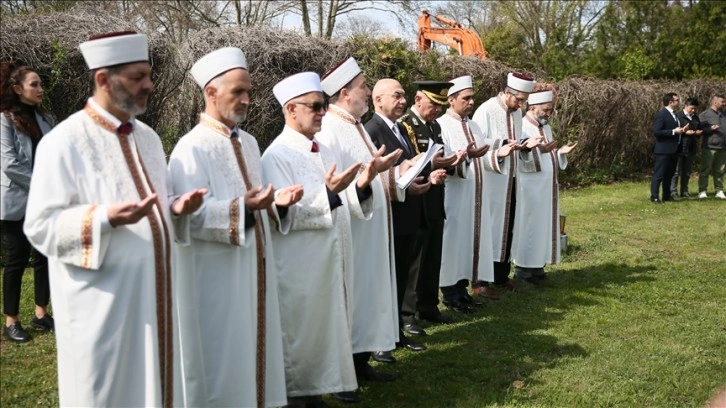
[[402, 118], [409, 130]]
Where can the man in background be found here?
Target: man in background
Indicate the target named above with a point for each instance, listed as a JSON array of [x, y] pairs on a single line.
[[668, 132], [713, 148]]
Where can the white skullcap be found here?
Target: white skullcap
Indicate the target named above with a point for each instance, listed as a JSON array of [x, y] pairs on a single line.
[[335, 79], [217, 63], [115, 50], [460, 83], [520, 82], [296, 85], [537, 98]]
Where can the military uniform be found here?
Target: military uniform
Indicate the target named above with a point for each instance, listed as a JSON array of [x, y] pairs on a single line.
[[422, 292]]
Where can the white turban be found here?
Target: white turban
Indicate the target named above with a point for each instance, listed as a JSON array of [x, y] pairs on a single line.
[[335, 79], [296, 85], [115, 50], [460, 83], [216, 63], [520, 82]]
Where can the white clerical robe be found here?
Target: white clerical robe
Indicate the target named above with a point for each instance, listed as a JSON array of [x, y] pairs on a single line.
[[467, 243], [536, 239], [312, 263], [499, 125], [216, 277], [374, 315], [105, 282]]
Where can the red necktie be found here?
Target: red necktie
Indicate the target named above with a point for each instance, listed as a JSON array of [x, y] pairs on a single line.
[[125, 129], [314, 149]]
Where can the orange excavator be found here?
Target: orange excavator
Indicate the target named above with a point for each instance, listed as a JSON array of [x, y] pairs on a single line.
[[467, 42]]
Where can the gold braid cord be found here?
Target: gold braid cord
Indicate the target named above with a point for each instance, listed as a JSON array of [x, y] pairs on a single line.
[[411, 136]]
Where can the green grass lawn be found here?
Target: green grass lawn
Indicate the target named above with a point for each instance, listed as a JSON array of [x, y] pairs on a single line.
[[635, 316]]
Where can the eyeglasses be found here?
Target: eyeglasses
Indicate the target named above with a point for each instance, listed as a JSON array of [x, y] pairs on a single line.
[[314, 106], [398, 96]]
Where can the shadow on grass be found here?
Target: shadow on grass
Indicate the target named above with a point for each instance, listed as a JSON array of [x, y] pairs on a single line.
[[488, 358]]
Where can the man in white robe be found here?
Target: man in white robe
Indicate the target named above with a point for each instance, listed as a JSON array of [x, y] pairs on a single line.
[[467, 243], [225, 356], [500, 120], [98, 209], [536, 238], [311, 260], [374, 316]]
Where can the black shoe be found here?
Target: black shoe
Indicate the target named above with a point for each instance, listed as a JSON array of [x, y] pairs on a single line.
[[656, 201], [45, 323], [435, 317], [348, 397], [414, 329], [405, 343], [467, 299], [369, 374], [670, 199], [459, 307], [532, 281], [383, 357], [16, 333], [317, 404], [685, 195]]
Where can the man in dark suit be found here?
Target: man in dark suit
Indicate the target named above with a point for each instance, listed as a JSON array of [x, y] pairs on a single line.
[[389, 100], [687, 150], [668, 132]]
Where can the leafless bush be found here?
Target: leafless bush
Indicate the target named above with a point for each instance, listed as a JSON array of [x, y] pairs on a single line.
[[610, 119], [271, 56]]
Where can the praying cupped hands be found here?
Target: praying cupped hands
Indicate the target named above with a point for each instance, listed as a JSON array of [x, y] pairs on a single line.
[[130, 212], [188, 202], [473, 152], [339, 182], [289, 195], [258, 199]]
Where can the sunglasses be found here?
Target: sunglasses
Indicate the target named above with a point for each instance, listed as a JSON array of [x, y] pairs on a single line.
[[314, 106]]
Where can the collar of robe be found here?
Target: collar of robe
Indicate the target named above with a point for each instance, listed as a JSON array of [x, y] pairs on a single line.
[[502, 104], [339, 112], [533, 121], [455, 115], [217, 126], [123, 129]]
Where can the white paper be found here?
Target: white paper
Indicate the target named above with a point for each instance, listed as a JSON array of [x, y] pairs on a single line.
[[404, 181]]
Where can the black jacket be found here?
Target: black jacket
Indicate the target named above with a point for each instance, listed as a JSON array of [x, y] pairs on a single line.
[[688, 143], [407, 215], [420, 132]]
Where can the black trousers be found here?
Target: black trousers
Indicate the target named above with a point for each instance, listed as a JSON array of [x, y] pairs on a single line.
[[684, 165], [425, 268], [18, 254], [405, 256], [360, 360], [665, 168]]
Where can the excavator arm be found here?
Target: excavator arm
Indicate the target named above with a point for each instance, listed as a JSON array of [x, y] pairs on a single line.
[[453, 34]]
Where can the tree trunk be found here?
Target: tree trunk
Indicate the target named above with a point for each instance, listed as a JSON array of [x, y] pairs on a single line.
[[305, 17], [332, 14]]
